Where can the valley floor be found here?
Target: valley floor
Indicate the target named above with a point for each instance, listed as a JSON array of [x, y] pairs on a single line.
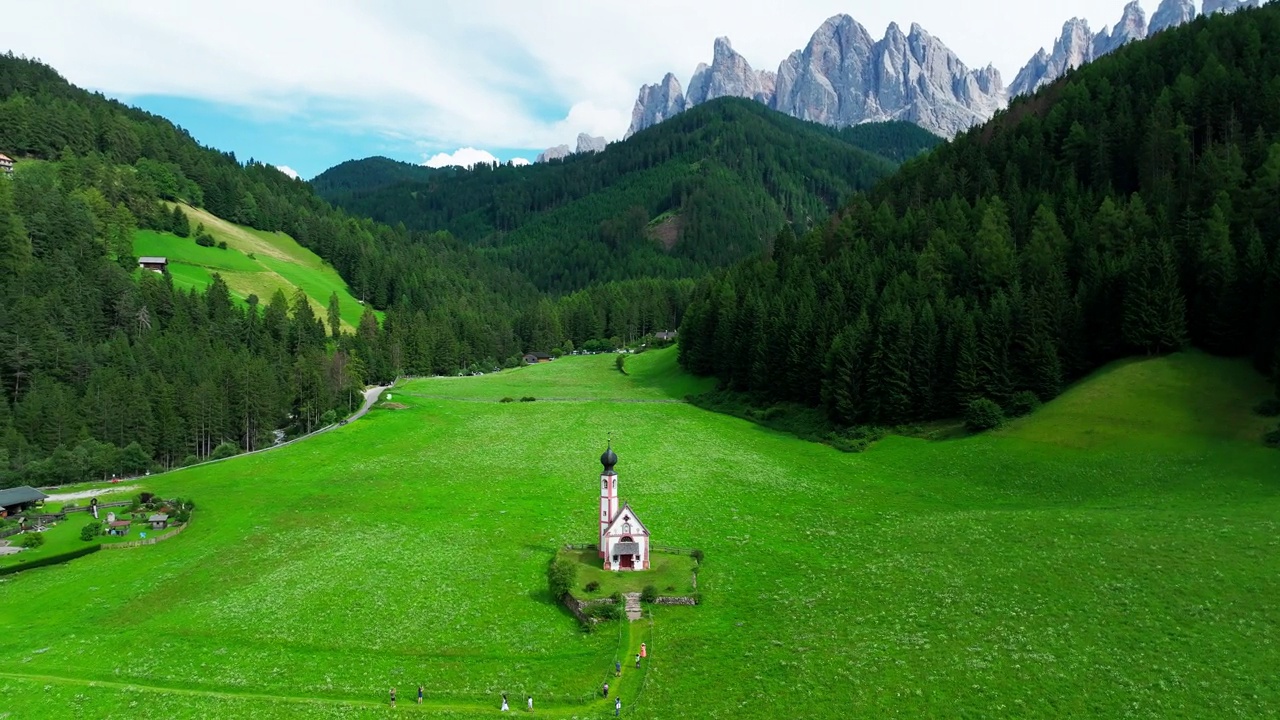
[[1115, 554]]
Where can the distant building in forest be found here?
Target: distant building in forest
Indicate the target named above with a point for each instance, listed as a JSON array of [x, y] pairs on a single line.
[[666, 334], [155, 264], [532, 358], [15, 500], [6, 164]]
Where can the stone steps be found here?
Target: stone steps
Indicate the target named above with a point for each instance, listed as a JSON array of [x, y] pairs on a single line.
[[632, 601]]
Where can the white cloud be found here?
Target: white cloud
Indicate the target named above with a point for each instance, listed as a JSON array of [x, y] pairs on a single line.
[[287, 171], [520, 162], [493, 73], [465, 157]]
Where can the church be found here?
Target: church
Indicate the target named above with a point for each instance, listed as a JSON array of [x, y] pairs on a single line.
[[624, 540]]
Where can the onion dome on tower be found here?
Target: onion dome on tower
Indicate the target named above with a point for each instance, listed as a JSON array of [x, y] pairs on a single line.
[[608, 460]]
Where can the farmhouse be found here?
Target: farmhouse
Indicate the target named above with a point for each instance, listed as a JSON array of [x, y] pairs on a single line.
[[6, 164], [624, 540], [666, 334], [159, 521], [15, 500], [155, 264], [536, 357]]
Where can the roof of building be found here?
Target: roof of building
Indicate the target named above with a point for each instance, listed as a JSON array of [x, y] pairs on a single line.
[[540, 356], [120, 523], [19, 495], [150, 260], [4, 158], [609, 458], [158, 517], [626, 548]]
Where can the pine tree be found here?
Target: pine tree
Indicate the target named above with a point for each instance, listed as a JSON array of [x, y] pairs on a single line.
[[1154, 309], [335, 315]]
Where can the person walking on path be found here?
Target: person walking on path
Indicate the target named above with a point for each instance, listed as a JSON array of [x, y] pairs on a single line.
[[617, 707], [504, 703], [637, 661], [617, 668], [644, 652], [393, 697], [530, 703], [605, 690], [419, 694]]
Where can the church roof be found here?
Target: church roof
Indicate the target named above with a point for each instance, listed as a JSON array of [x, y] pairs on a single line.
[[627, 515], [609, 459]]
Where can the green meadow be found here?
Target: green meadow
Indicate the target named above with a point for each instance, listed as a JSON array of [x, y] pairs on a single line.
[[256, 262], [1116, 554]]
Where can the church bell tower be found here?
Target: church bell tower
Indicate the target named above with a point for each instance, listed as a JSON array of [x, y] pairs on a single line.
[[608, 494]]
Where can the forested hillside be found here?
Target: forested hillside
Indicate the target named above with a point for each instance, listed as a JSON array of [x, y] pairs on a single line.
[[373, 173], [108, 369], [701, 190], [1130, 208]]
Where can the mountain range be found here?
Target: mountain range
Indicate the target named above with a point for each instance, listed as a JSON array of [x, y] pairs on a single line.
[[843, 76]]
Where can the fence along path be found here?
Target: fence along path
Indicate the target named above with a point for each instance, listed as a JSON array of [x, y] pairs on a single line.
[[148, 541]]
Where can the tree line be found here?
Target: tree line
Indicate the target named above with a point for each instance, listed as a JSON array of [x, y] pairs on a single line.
[[1130, 208]]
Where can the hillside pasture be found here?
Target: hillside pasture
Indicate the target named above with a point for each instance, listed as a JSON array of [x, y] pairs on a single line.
[[1030, 572], [278, 262]]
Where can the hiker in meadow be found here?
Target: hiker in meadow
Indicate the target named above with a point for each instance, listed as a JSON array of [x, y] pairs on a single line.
[[504, 703], [617, 707], [604, 692], [419, 694], [530, 703], [637, 661], [617, 668], [644, 652], [393, 697]]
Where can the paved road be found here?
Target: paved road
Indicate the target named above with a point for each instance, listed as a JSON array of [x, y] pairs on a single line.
[[370, 397]]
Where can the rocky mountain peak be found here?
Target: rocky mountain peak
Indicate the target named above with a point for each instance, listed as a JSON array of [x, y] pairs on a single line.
[[1172, 13], [590, 144], [554, 153]]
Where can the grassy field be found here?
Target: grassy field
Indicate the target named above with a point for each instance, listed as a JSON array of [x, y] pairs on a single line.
[[1117, 554], [278, 262]]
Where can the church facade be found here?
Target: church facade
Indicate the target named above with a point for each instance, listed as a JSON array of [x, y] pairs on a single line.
[[624, 540]]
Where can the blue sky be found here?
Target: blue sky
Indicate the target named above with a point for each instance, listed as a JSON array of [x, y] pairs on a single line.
[[310, 83], [306, 144]]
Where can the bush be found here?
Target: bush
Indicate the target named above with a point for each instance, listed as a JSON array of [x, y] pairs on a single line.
[[222, 245], [983, 414], [31, 540], [526, 398], [697, 598], [1268, 408], [225, 450], [145, 498], [506, 400], [90, 531], [604, 611], [1272, 439], [648, 594], [190, 460], [204, 240], [697, 556], [621, 363], [561, 576], [592, 586], [329, 417], [1023, 403]]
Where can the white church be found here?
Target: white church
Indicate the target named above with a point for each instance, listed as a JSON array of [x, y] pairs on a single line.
[[624, 540]]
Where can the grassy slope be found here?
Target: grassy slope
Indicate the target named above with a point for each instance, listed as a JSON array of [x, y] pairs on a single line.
[[279, 262], [1113, 555]]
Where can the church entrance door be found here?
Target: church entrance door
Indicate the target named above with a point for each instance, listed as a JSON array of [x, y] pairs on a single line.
[[626, 562]]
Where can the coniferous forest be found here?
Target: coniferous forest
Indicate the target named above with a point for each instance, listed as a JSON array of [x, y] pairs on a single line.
[[107, 369], [704, 189], [1129, 208]]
